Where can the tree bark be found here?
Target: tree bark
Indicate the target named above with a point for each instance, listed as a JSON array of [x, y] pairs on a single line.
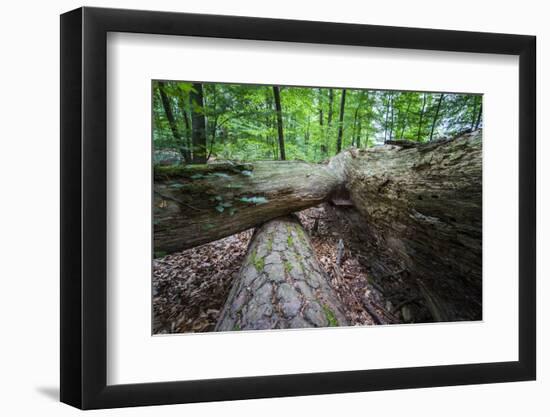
[[281, 284], [341, 122], [168, 111], [277, 96], [187, 144], [198, 122], [392, 114], [197, 204], [421, 117], [441, 96], [478, 120], [330, 105], [406, 119], [420, 218]]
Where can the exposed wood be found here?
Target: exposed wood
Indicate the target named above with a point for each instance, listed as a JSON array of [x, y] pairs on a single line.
[[419, 210], [281, 284]]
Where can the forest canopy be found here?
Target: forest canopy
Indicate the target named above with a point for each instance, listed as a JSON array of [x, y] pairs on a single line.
[[200, 122]]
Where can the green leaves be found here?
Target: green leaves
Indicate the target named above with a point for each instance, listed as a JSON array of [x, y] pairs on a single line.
[[241, 122]]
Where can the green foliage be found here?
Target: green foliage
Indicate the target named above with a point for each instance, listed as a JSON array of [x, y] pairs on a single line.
[[241, 122]]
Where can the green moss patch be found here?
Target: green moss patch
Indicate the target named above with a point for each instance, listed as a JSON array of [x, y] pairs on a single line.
[[331, 318], [288, 266], [258, 263]]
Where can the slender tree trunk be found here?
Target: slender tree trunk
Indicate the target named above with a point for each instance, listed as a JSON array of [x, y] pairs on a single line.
[[277, 95], [198, 122], [320, 104], [341, 122], [386, 119], [330, 105], [281, 284], [187, 140], [358, 137], [434, 123], [421, 117], [392, 114], [354, 130], [168, 111], [474, 113], [406, 118], [478, 120]]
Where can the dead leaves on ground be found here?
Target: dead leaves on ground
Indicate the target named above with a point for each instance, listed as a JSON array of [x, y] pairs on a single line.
[[190, 287]]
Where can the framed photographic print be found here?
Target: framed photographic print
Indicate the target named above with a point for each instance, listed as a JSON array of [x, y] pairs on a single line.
[[256, 207]]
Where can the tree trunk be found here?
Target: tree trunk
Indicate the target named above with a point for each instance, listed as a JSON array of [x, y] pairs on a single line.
[[330, 105], [168, 111], [187, 144], [474, 113], [197, 204], [406, 119], [392, 114], [341, 122], [281, 284], [436, 115], [417, 211], [198, 122], [478, 121], [420, 217], [277, 95], [421, 117], [358, 137], [320, 104]]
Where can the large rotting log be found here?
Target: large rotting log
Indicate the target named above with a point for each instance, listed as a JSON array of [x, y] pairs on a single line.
[[281, 284], [418, 217], [197, 204]]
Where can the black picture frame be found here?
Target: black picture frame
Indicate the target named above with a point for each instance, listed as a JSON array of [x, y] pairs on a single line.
[[84, 207]]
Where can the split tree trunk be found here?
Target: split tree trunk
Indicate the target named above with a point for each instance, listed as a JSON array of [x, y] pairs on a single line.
[[281, 284], [197, 204], [420, 217]]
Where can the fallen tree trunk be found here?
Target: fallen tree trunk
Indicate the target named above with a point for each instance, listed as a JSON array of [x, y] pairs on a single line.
[[197, 204], [416, 211], [418, 218], [281, 284]]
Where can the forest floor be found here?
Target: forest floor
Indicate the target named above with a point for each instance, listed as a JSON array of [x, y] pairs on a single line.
[[191, 287]]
